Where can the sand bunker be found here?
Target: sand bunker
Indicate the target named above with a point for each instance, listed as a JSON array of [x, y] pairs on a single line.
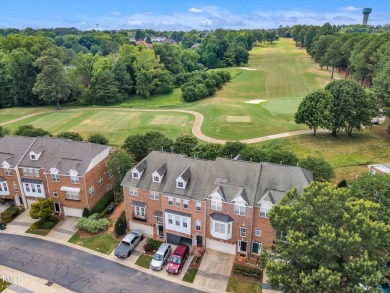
[[238, 119], [255, 101], [247, 68]]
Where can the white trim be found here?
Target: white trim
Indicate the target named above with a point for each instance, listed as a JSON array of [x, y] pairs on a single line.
[[216, 227], [71, 189]]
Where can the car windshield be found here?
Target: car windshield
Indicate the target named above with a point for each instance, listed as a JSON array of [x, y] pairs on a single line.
[[158, 257], [125, 243], [175, 259]]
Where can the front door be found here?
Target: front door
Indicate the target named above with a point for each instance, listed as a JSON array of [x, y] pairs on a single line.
[[17, 200], [242, 246], [160, 230], [57, 207], [256, 247], [199, 241]]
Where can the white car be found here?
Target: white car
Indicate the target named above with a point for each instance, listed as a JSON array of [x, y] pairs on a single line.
[[161, 257]]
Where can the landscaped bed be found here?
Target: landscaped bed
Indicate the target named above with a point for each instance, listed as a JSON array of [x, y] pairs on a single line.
[[193, 267], [103, 242]]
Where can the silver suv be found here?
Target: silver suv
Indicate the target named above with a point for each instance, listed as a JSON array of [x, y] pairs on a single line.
[[128, 243], [161, 257]]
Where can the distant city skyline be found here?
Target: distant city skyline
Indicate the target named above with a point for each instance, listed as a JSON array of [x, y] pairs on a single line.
[[186, 15]]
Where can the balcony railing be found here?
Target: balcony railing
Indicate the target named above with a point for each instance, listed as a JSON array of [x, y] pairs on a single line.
[[139, 218]]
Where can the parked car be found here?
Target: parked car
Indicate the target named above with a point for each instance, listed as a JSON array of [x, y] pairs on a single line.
[[110, 209], [128, 244], [178, 258], [161, 257]]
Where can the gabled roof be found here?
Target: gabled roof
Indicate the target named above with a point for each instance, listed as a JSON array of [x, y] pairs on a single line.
[[162, 169], [250, 180], [241, 194], [219, 190], [221, 217], [13, 148], [186, 174], [273, 196], [141, 166]]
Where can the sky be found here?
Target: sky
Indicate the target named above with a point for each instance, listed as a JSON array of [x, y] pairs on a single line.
[[186, 15]]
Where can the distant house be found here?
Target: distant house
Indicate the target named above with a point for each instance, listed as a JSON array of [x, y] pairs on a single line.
[[147, 45], [379, 168], [71, 173], [221, 204]]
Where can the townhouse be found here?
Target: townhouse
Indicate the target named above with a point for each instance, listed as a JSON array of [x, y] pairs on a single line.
[[221, 204], [71, 173]]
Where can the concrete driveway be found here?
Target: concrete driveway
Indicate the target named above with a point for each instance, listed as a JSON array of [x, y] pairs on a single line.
[[21, 223], [214, 270], [64, 230]]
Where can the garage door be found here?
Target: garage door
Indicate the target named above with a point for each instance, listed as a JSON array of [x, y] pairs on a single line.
[[148, 230], [176, 240], [71, 212], [220, 246], [30, 201]]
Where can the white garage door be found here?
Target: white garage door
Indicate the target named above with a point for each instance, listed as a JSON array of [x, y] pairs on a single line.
[[30, 201], [148, 230], [220, 246], [72, 212]]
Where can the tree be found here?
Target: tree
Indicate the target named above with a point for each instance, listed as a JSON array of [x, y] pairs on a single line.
[[322, 170], [314, 110], [106, 88], [231, 149], [98, 138], [52, 83], [352, 107], [382, 84], [70, 135], [29, 130], [41, 209], [185, 144], [333, 243], [207, 151], [120, 226], [118, 164], [3, 131], [137, 146]]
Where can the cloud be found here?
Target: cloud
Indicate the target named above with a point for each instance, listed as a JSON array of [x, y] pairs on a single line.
[[349, 8], [195, 10], [116, 13], [135, 23]]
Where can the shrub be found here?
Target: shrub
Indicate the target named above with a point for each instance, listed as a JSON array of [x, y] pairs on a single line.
[[148, 248], [120, 226], [86, 213], [102, 204], [45, 224], [93, 223], [155, 243], [9, 214]]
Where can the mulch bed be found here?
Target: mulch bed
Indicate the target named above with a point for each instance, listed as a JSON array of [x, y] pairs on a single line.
[[195, 262], [85, 234]]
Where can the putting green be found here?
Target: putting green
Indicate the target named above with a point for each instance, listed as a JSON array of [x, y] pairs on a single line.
[[283, 105]]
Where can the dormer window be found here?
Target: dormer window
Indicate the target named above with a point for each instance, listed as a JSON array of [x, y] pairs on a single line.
[[137, 171], [135, 175], [156, 179], [180, 184], [158, 175], [184, 177], [33, 157]]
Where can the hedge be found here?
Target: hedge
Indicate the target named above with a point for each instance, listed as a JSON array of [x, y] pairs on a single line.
[[154, 243], [93, 223], [247, 271], [102, 204], [9, 214], [120, 226]]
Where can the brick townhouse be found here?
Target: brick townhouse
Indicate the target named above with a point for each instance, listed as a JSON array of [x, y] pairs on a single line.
[[71, 173], [221, 204]]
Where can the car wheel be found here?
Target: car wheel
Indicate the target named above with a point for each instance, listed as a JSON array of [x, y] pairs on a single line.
[[142, 237], [129, 253]]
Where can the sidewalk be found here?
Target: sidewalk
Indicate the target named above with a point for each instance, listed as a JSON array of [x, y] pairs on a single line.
[[22, 282]]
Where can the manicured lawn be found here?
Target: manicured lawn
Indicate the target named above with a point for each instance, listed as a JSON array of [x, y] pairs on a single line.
[[144, 261], [3, 285], [190, 275], [103, 243], [237, 285], [42, 232]]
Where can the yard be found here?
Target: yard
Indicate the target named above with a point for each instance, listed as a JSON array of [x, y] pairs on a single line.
[[238, 285], [144, 261], [103, 243]]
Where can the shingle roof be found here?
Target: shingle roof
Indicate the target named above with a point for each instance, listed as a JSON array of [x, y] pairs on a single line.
[[158, 214], [141, 166], [254, 178], [221, 217], [186, 174], [162, 169], [138, 204], [62, 154], [12, 148], [33, 181]]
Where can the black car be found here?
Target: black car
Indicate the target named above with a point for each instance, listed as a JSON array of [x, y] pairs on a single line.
[[110, 209]]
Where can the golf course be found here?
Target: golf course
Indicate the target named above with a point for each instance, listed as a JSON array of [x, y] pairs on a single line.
[[259, 101]]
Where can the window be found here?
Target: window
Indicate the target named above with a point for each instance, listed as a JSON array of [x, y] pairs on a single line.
[[139, 211], [72, 195], [33, 157], [198, 206], [74, 179], [229, 226], [185, 204], [258, 232], [170, 201], [24, 171], [55, 193], [156, 179], [219, 227], [239, 210], [135, 175], [177, 220], [242, 232], [100, 181], [36, 172], [185, 222], [170, 219], [216, 205], [3, 187], [159, 219], [154, 195], [39, 189], [180, 184], [33, 188], [55, 177], [30, 172], [8, 172], [264, 212], [16, 189], [27, 187], [91, 191], [197, 225], [178, 202], [133, 191]]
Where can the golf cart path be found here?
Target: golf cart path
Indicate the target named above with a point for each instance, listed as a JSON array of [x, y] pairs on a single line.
[[196, 127]]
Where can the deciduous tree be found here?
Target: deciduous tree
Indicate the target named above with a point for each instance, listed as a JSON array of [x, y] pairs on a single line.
[[41, 209]]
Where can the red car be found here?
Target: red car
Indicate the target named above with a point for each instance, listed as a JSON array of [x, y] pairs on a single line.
[[178, 258]]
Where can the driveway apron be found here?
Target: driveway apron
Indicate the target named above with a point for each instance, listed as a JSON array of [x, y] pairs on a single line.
[[64, 230]]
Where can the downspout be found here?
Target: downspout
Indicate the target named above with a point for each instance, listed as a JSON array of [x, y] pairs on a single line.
[[205, 222], [85, 186], [47, 184]]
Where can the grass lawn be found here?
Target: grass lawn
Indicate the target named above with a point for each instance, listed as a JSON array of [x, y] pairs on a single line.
[[3, 285], [103, 243], [190, 275], [42, 232], [144, 261], [237, 285]]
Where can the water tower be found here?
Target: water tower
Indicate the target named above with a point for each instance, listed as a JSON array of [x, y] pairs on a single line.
[[366, 13]]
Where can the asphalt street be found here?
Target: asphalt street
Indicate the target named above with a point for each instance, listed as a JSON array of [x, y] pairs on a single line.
[[77, 270]]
